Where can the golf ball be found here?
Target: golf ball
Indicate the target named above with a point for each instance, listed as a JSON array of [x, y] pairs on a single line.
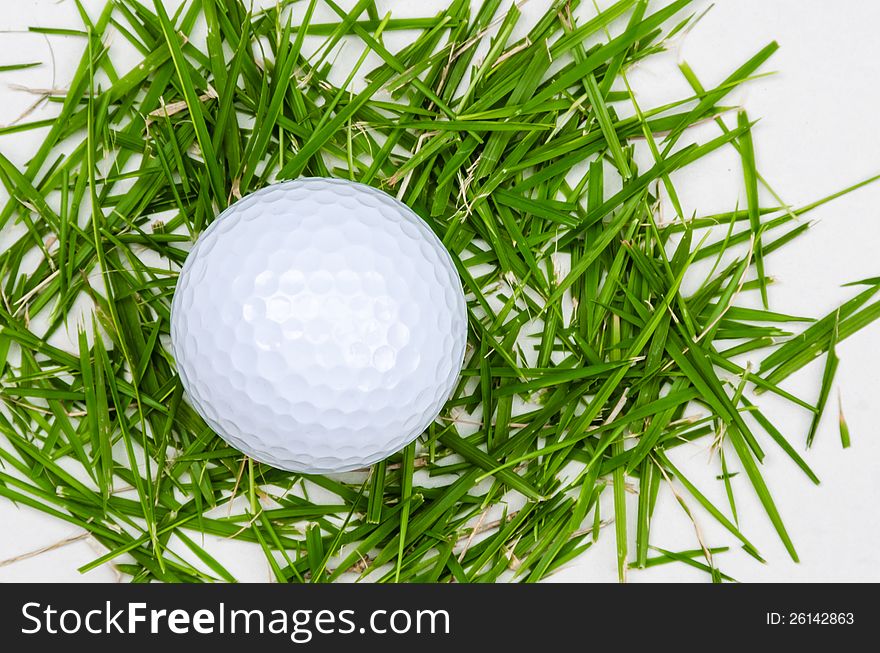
[[318, 325]]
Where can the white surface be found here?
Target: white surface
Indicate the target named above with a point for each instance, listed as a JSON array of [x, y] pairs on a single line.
[[817, 134], [319, 325]]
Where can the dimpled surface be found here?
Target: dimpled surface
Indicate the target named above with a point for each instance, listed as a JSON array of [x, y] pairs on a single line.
[[318, 325]]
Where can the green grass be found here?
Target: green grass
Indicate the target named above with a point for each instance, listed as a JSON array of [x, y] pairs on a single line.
[[585, 360]]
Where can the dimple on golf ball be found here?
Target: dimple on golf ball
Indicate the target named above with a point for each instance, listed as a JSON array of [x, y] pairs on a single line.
[[318, 325]]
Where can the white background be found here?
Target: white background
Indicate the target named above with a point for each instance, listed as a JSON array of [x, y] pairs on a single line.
[[818, 133]]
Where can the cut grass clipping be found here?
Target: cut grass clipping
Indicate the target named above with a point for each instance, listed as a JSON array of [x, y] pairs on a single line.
[[587, 362]]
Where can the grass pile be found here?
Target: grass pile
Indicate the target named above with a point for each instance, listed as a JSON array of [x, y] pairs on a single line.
[[586, 359]]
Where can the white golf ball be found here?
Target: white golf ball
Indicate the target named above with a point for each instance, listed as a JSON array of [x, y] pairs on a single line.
[[318, 325]]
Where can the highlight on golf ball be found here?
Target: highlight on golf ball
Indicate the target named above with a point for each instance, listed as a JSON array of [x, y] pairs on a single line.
[[318, 325]]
